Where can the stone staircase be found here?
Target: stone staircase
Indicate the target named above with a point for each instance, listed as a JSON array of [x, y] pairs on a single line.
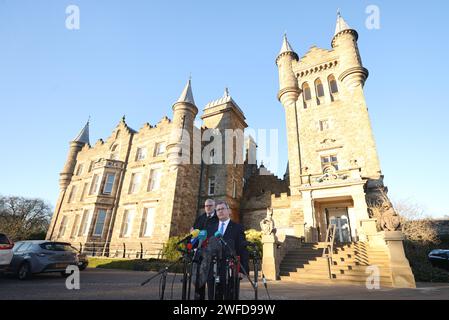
[[349, 264]]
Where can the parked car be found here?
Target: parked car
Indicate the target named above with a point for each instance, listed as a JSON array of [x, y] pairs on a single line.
[[6, 252], [83, 262], [440, 259], [32, 257]]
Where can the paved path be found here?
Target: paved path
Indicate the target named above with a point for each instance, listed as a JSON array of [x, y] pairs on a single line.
[[125, 285]]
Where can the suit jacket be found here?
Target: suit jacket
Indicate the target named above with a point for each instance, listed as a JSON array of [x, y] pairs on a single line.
[[208, 224], [235, 238]]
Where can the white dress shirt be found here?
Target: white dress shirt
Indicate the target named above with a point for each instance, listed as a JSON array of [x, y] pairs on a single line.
[[226, 223]]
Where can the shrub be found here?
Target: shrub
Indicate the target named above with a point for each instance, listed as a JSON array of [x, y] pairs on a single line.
[[170, 251], [255, 237]]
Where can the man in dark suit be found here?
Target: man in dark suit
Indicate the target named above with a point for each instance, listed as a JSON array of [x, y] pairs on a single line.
[[209, 222], [234, 236]]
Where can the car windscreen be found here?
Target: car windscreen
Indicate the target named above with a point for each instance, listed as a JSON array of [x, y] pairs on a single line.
[[4, 239], [55, 246]]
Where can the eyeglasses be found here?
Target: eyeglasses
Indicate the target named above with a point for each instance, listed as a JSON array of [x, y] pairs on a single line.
[[209, 205]]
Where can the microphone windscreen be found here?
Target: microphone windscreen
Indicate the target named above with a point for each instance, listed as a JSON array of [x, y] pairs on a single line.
[[202, 235], [195, 233], [218, 234]]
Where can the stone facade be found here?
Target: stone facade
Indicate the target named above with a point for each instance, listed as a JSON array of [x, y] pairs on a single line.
[[334, 169], [127, 195]]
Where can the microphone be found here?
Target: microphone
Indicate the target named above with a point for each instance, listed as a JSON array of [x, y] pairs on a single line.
[[192, 234], [219, 236], [202, 236]]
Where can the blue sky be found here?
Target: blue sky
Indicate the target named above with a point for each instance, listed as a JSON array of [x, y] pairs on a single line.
[[134, 57]]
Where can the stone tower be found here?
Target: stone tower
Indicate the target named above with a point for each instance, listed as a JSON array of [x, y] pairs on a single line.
[[68, 171], [333, 161], [222, 173], [182, 194]]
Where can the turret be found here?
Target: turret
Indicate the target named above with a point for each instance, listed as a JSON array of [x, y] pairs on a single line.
[[345, 42], [75, 147], [288, 95], [288, 84], [184, 113]]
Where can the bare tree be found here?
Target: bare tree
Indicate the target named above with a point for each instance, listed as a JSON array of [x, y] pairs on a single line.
[[22, 218]]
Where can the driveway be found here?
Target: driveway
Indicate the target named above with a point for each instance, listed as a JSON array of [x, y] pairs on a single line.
[[101, 284]]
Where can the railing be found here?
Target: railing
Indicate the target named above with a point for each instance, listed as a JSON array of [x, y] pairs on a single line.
[[328, 250], [125, 250]]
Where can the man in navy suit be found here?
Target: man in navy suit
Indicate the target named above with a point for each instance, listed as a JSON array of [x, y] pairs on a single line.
[[234, 236]]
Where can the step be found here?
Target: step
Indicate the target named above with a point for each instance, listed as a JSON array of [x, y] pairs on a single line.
[[338, 272], [383, 284], [354, 278]]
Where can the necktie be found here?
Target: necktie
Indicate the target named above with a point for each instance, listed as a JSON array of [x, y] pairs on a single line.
[[222, 228]]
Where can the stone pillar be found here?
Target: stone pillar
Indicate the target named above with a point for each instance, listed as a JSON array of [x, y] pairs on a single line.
[[360, 210], [309, 227], [401, 273], [270, 261], [368, 233]]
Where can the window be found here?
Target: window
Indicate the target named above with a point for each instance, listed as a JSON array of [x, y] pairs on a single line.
[[155, 179], [333, 84], [109, 184], [127, 223], [147, 222], [99, 224], [135, 183], [141, 154], [75, 227], [83, 194], [324, 125], [80, 169], [91, 166], [159, 149], [95, 184], [211, 186], [72, 194], [85, 223], [306, 91], [62, 227], [329, 163], [234, 189], [115, 152], [319, 88]]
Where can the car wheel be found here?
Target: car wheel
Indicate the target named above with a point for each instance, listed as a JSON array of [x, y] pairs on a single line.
[[24, 272]]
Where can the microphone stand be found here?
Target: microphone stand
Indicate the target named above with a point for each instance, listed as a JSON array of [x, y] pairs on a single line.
[[235, 258], [163, 272], [187, 275]]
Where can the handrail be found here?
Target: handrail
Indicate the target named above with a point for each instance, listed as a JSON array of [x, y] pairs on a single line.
[[328, 250], [131, 250]]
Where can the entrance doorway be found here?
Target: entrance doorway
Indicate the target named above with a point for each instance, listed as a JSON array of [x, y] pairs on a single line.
[[339, 217]]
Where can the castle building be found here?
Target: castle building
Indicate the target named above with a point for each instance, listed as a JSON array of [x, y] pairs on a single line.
[[129, 192], [334, 169], [127, 195]]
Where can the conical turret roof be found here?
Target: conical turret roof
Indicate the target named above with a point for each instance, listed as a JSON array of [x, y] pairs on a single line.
[[187, 95], [83, 136]]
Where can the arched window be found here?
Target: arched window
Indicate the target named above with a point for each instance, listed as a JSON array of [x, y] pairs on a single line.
[[319, 88], [306, 92], [333, 84]]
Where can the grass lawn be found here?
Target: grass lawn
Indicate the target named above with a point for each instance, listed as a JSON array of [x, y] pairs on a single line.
[[130, 264]]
